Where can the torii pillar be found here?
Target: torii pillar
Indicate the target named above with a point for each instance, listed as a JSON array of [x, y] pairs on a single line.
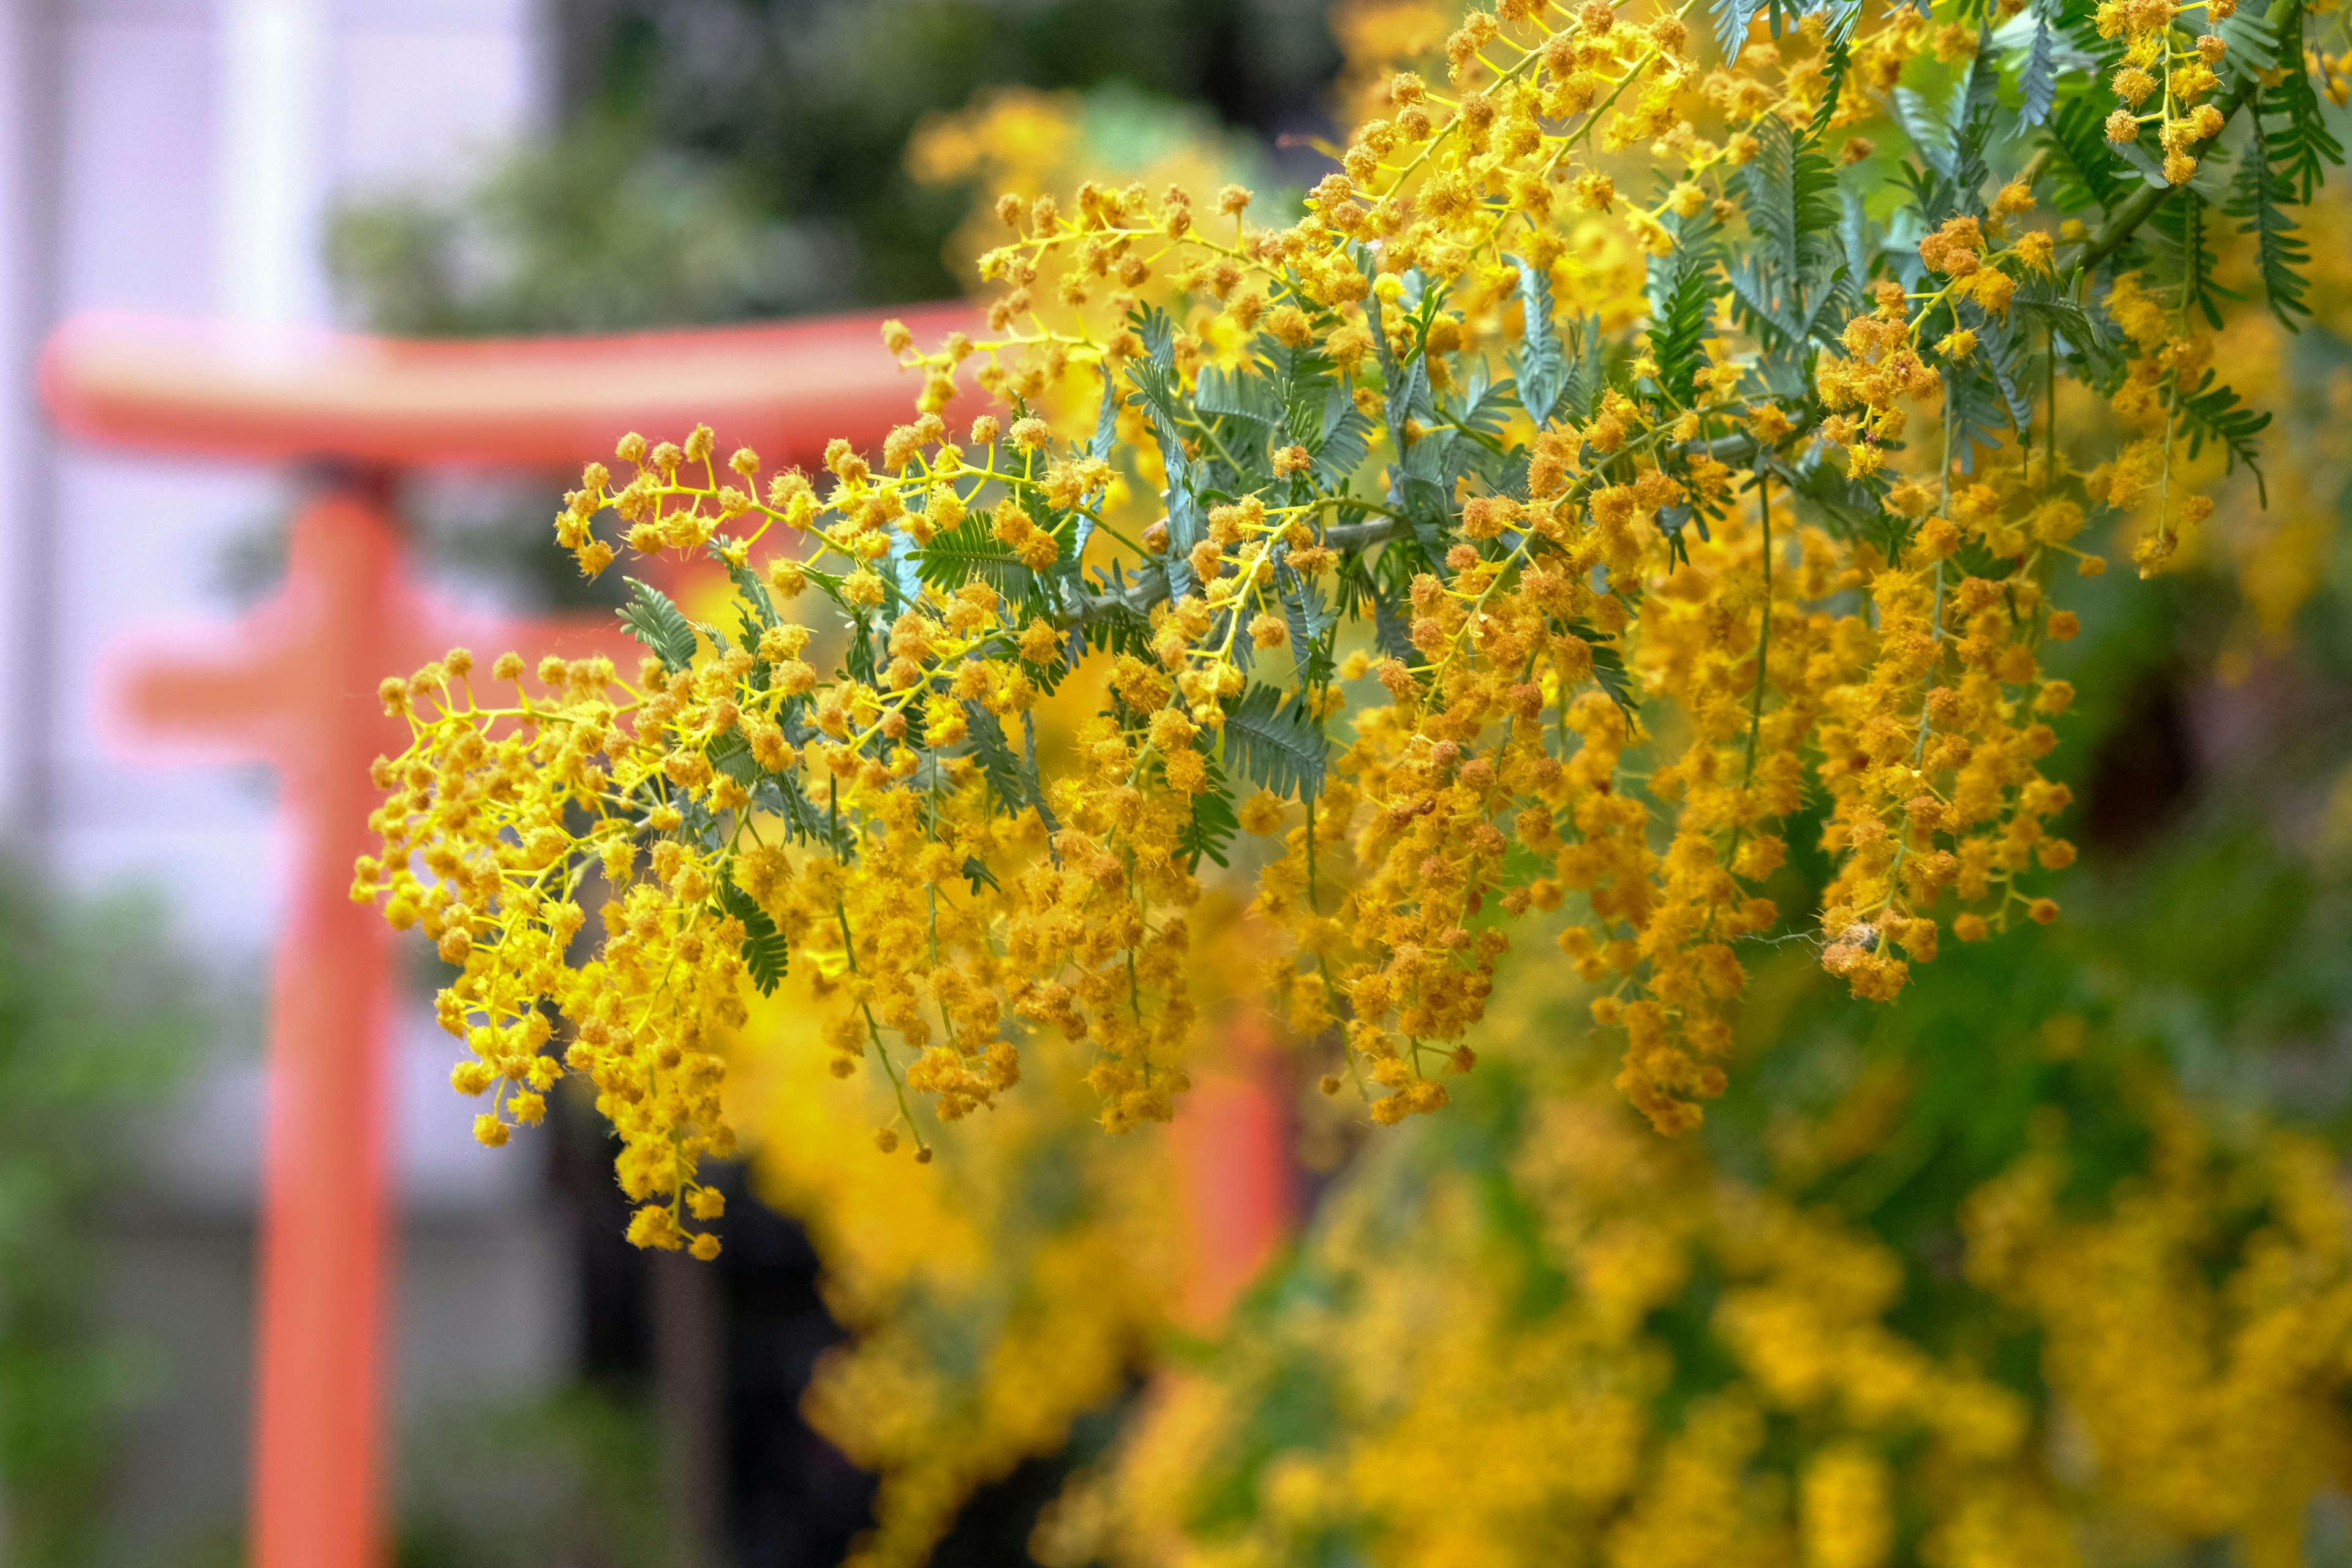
[[295, 684]]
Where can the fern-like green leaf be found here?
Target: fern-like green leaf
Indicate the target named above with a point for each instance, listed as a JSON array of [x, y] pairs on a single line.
[[1237, 394], [766, 954], [2182, 225], [781, 795], [2042, 302], [731, 755], [2037, 84], [2005, 364], [1732, 20], [1274, 744], [1835, 67], [2260, 196], [1346, 442], [2082, 169], [1031, 779], [1308, 620], [1540, 363], [971, 550], [2213, 412], [1609, 671], [1682, 290], [994, 752], [654, 621], [1677, 336], [2301, 142], [1210, 830]]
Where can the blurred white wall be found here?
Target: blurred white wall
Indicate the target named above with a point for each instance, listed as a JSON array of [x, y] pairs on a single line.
[[177, 155]]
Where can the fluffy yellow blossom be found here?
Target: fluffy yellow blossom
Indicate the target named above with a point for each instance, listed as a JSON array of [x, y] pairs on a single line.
[[1510, 553]]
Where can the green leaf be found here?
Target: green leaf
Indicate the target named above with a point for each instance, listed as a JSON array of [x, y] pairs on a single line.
[[972, 550], [766, 953], [1925, 129], [2004, 365], [654, 621], [1486, 406], [1011, 775], [1680, 328], [1409, 399], [2045, 304], [1312, 400], [1972, 411], [1732, 20], [1300, 377], [1857, 239], [2252, 44], [760, 609], [1586, 373], [2260, 196], [2302, 141], [2083, 170], [993, 751], [2213, 412], [1838, 63], [1790, 194], [1112, 622], [1213, 824], [1346, 442], [1609, 671], [1309, 619], [1237, 394], [1393, 625], [754, 607], [1853, 507], [781, 795], [1161, 392], [1681, 292], [2181, 222], [1970, 114], [1274, 744], [1106, 418], [1423, 483], [1540, 363], [1030, 778], [2037, 84], [731, 755]]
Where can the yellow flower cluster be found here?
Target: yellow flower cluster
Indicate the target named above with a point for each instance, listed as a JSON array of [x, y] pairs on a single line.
[[2208, 1397], [2164, 60], [1683, 1368], [991, 1297], [1597, 626], [1461, 1423], [506, 809]]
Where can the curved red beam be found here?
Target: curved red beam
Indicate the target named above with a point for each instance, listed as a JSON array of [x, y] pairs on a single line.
[[219, 389]]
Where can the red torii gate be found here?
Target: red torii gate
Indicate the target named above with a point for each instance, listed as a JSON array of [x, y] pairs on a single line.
[[294, 685]]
